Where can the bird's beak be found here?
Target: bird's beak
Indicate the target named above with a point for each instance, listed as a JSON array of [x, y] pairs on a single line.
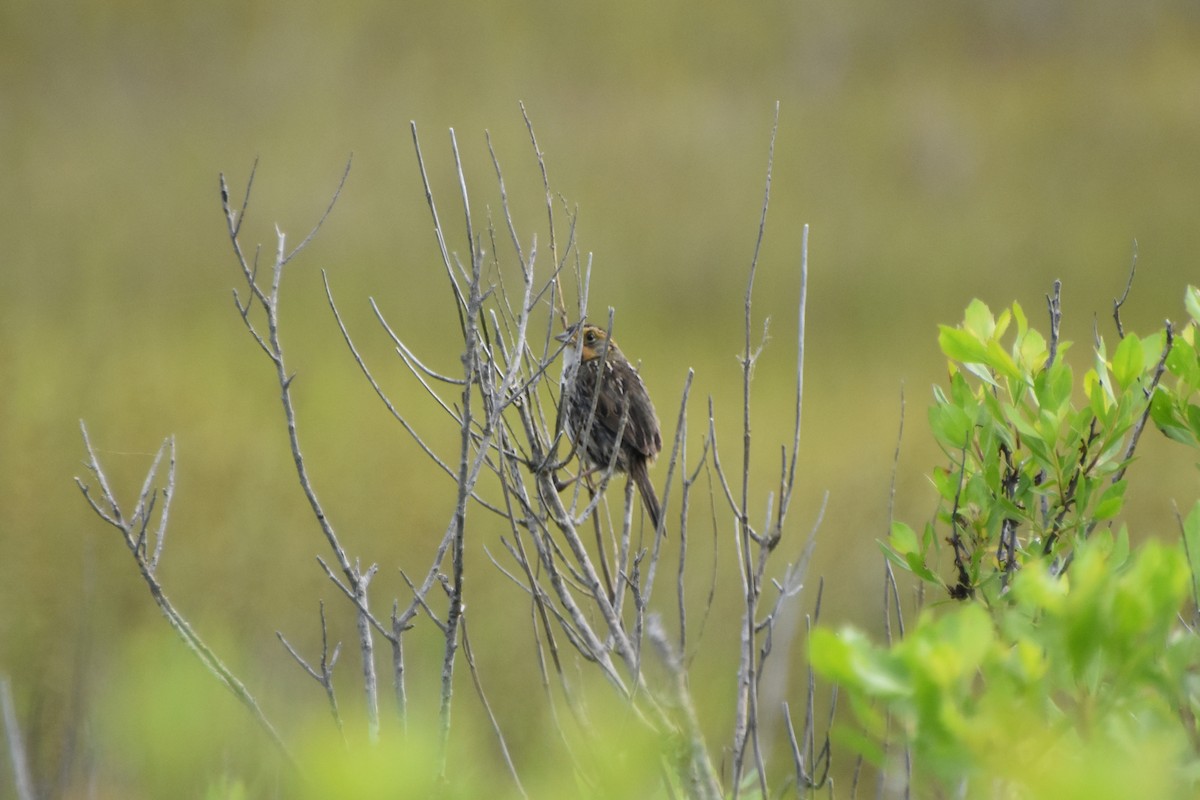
[[567, 336]]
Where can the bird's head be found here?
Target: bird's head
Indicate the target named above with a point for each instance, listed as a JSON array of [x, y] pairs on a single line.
[[589, 340]]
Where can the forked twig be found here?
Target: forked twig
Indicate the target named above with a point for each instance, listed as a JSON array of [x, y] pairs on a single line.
[[175, 619]]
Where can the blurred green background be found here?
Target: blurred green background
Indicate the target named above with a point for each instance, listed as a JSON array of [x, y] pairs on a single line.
[[940, 151]]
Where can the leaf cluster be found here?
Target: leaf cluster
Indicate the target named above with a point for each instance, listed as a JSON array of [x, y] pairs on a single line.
[[1071, 668], [1082, 686], [1032, 467]]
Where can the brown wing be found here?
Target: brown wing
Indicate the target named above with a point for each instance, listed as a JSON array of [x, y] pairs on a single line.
[[641, 428]]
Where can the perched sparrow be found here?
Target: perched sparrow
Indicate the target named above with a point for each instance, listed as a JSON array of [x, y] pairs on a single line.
[[595, 365]]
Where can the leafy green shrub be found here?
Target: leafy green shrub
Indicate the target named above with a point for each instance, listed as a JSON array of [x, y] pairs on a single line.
[[1068, 670]]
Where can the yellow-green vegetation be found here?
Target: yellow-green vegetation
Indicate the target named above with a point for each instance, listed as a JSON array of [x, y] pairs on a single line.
[[1079, 686], [1069, 666]]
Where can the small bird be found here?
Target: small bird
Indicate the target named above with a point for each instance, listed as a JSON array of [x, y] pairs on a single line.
[[599, 384]]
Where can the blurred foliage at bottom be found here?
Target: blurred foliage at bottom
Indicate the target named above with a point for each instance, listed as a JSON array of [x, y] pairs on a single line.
[[1082, 686]]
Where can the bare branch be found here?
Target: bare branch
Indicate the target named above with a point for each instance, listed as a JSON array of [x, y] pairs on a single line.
[[1140, 425], [356, 582], [549, 212], [889, 575], [328, 210], [487, 707], [176, 620], [1120, 301], [459, 300], [785, 498], [746, 722], [323, 674], [1054, 306]]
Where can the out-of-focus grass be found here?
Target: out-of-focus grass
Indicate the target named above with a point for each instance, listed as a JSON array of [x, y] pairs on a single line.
[[938, 153]]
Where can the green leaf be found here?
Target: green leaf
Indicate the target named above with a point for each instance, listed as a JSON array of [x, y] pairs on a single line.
[[904, 538], [892, 556], [1152, 347], [1191, 301], [945, 481], [1177, 434], [1033, 350], [983, 372], [1027, 431], [1120, 551], [1096, 392], [1183, 363], [1191, 543], [950, 425], [1100, 365], [1036, 587], [1001, 324], [961, 345], [849, 658], [978, 320], [1001, 361], [960, 642], [859, 743], [1019, 316], [1052, 387], [1193, 418], [1127, 361], [918, 567], [1166, 417], [969, 347], [961, 393], [1111, 502], [830, 655], [1049, 425]]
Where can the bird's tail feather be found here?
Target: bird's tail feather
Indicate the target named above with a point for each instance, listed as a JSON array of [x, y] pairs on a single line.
[[641, 477]]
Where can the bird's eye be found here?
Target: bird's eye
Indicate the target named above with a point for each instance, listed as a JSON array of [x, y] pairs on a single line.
[[590, 337]]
